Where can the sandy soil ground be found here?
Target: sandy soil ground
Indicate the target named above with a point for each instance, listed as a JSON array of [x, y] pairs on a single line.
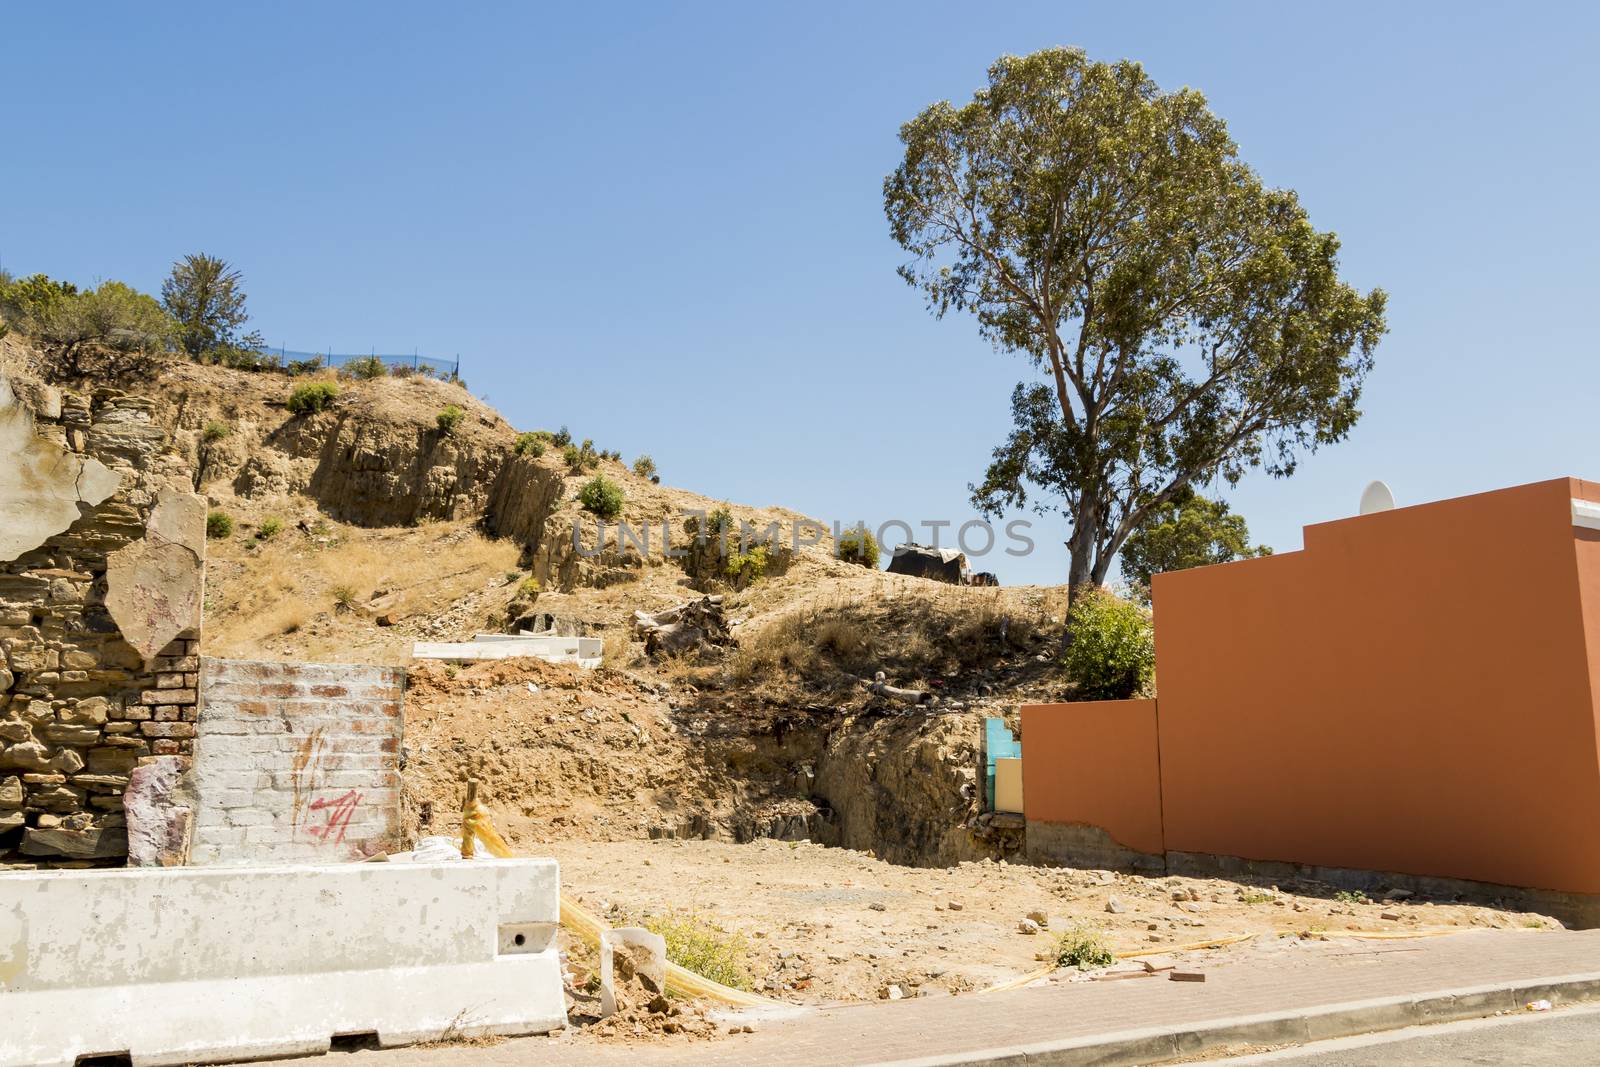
[[828, 924]]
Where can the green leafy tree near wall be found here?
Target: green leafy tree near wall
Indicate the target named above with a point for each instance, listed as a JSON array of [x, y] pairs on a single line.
[[206, 299], [1188, 322], [1188, 531]]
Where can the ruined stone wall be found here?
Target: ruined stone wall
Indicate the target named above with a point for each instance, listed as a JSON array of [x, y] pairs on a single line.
[[296, 762], [101, 550]]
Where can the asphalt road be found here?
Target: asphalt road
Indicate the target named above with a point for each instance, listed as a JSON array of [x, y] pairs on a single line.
[[1569, 1038]]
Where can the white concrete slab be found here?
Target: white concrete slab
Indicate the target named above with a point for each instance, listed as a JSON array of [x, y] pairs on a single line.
[[583, 651], [185, 965]]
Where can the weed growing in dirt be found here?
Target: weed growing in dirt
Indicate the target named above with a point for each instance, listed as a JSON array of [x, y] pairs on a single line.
[[344, 597], [644, 467], [700, 945], [219, 525], [1083, 947], [214, 431], [271, 527], [1352, 896], [1255, 896]]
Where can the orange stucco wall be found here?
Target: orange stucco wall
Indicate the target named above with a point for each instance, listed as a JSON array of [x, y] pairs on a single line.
[[1415, 691], [1095, 763]]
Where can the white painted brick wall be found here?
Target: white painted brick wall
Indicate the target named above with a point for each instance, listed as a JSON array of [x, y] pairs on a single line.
[[296, 762]]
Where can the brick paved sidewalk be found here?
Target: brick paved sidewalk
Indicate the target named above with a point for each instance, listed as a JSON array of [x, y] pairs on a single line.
[[936, 1028]]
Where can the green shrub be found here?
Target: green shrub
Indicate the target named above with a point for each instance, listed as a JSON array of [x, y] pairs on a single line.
[[365, 369], [344, 597], [529, 589], [857, 545], [219, 525], [1112, 654], [298, 367], [601, 496], [580, 459], [644, 467], [312, 397], [1083, 947], [697, 944], [271, 527], [561, 438], [531, 444], [214, 431], [450, 418], [747, 568]]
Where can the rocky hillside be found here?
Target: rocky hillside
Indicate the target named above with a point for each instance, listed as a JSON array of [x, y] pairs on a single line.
[[362, 528]]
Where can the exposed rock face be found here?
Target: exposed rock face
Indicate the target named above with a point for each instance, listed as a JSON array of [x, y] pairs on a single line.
[[44, 487], [158, 813], [905, 787], [79, 709], [376, 473], [522, 500], [155, 586]]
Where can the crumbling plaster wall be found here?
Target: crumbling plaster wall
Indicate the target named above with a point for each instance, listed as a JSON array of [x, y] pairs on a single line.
[[296, 762], [80, 704]]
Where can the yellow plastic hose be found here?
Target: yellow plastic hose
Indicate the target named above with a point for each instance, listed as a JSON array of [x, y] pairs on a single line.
[[475, 824]]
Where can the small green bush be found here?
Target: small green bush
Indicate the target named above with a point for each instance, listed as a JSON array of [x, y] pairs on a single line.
[[1112, 654], [697, 944], [561, 438], [312, 397], [271, 527], [365, 369], [857, 545], [219, 525], [1083, 947], [298, 367], [601, 496], [344, 597], [531, 444], [529, 589], [745, 569], [644, 467], [580, 459], [450, 418], [214, 431], [1352, 896]]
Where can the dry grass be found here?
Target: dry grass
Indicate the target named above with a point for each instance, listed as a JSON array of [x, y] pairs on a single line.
[[829, 643], [326, 587]]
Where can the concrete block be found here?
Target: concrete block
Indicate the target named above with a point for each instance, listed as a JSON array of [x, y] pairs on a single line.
[[186, 964]]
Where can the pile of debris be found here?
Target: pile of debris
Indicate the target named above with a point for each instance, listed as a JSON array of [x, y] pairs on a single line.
[[684, 628]]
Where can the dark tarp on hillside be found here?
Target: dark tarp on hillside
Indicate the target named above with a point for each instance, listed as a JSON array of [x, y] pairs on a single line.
[[920, 561]]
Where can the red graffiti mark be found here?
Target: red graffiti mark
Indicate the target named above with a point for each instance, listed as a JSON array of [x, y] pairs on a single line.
[[339, 812]]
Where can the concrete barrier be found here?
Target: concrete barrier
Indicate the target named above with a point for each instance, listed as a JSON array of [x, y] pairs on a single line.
[[184, 965]]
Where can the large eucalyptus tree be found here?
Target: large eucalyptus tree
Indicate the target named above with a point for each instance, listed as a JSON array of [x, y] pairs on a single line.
[[1188, 321]]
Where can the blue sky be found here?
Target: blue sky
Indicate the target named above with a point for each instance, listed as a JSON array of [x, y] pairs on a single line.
[[662, 224]]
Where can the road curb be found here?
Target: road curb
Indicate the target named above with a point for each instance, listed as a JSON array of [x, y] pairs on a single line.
[[1150, 1045]]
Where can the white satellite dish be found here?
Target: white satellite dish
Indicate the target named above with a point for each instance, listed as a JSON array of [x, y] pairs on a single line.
[[1376, 497]]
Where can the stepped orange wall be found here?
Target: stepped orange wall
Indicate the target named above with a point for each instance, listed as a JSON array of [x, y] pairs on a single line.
[[1415, 691]]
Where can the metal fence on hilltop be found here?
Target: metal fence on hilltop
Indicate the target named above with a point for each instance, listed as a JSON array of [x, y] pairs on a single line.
[[417, 364]]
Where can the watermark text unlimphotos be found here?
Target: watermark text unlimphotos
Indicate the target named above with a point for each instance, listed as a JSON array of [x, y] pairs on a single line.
[[975, 537]]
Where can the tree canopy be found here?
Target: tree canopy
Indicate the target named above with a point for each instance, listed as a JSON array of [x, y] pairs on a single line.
[[1189, 322], [206, 299], [1188, 531]]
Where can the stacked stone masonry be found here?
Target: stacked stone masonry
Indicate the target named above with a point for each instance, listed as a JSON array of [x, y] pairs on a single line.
[[296, 762], [80, 707]]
